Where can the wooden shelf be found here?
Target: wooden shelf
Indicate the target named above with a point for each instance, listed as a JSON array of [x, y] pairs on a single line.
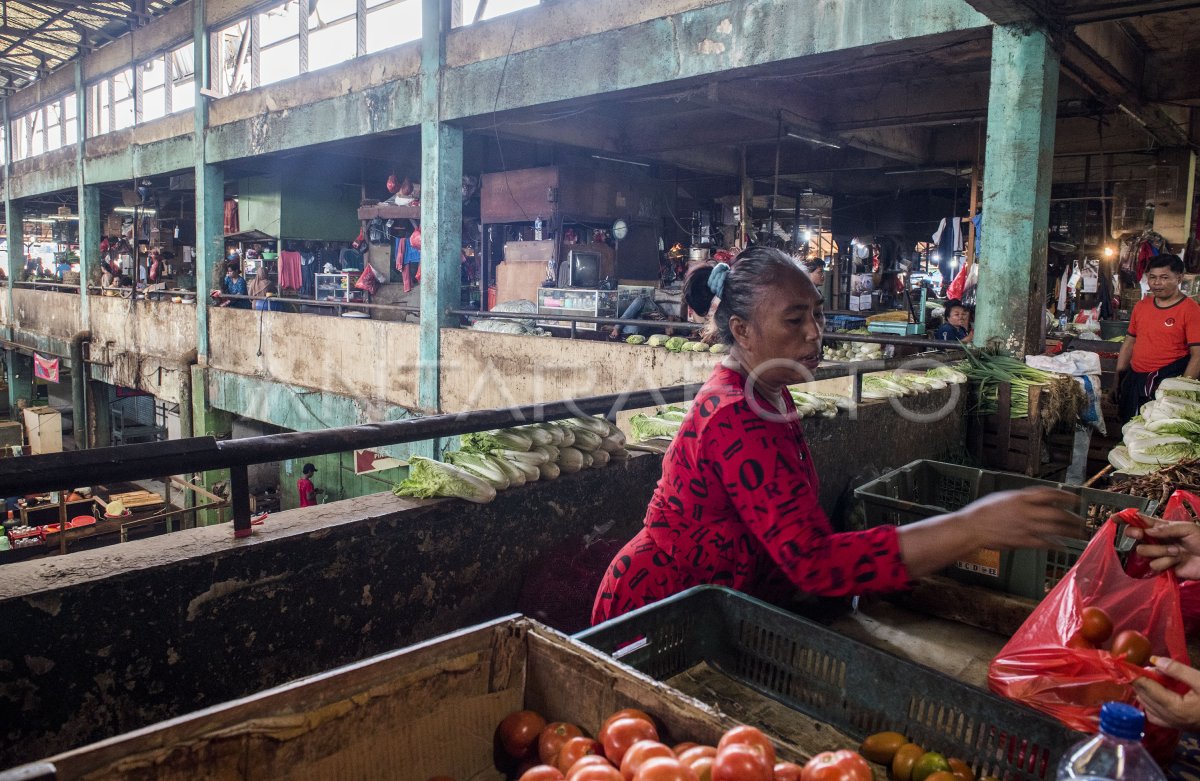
[[389, 211]]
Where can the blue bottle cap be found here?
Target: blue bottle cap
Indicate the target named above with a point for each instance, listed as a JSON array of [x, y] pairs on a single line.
[[1122, 721]]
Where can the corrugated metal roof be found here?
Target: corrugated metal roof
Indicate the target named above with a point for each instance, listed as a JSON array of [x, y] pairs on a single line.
[[37, 37]]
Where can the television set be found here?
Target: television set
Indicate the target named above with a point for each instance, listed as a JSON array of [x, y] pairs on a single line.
[[583, 269]]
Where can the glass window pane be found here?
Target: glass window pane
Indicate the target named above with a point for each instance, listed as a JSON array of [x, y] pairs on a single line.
[[234, 58], [123, 84], [281, 61], [182, 63], [329, 11], [183, 96], [393, 24], [331, 45], [494, 8], [124, 114], [70, 107], [72, 132], [279, 23], [154, 73], [33, 131], [154, 103]]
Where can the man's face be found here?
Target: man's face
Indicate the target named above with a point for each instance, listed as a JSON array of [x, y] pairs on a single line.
[[957, 317], [1163, 282]]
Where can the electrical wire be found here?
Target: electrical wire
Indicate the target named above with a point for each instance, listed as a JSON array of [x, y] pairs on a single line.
[[496, 124]]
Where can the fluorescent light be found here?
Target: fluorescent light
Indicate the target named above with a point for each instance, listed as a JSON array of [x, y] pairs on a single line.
[[619, 160], [812, 140], [133, 210]]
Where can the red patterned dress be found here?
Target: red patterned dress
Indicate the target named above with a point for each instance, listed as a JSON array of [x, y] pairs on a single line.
[[737, 505]]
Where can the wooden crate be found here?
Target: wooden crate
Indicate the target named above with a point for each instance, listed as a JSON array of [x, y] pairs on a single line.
[[412, 714]]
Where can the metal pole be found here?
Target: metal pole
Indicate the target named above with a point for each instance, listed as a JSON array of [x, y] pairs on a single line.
[[239, 497]]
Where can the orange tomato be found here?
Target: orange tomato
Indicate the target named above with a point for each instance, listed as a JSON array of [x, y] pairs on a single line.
[[751, 737], [1133, 645], [1096, 626], [552, 738], [519, 732], [639, 753]]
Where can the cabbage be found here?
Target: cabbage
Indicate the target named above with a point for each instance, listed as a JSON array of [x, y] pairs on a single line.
[[1171, 407], [619, 455], [635, 339], [586, 440], [428, 478], [485, 441], [877, 387], [1121, 461], [519, 457], [947, 374], [480, 465], [646, 427], [1179, 386], [599, 458], [570, 460], [719, 348], [675, 344], [549, 450], [532, 475], [516, 477], [598, 426], [1162, 449], [1175, 426], [549, 470], [537, 435], [657, 340], [587, 459]]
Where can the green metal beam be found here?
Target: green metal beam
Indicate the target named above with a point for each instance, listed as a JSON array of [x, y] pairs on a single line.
[[210, 188], [1018, 166], [87, 200]]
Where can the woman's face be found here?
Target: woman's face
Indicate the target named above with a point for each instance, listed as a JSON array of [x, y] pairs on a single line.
[[781, 342]]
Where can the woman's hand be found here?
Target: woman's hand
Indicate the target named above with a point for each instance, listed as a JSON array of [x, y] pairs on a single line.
[[1163, 706], [1029, 518], [1176, 544]]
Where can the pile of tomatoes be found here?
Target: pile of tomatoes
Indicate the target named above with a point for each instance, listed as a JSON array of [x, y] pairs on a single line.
[[1096, 627], [909, 762], [628, 748]]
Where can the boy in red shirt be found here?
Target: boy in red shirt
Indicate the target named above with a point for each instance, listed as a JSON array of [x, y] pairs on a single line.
[[305, 487], [1163, 339]]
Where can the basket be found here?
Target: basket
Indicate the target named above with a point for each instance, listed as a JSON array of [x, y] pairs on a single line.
[[923, 489], [855, 688], [844, 322]]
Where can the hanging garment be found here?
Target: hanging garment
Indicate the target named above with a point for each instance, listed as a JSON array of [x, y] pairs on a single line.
[[308, 271], [350, 258], [231, 217], [977, 222], [406, 275], [399, 248], [290, 275]]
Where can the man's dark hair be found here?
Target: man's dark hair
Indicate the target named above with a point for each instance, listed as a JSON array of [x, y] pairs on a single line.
[[953, 304], [1171, 262]]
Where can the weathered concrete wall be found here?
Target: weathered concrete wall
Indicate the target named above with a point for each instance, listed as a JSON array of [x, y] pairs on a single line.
[[105, 641], [347, 356], [142, 344], [44, 313]]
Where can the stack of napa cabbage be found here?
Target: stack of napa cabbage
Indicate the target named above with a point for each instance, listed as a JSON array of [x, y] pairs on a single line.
[[1166, 430]]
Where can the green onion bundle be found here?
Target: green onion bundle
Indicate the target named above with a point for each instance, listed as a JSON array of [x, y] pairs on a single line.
[[990, 369]]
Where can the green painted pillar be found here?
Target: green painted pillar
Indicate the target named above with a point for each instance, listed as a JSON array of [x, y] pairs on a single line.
[[210, 186], [441, 209], [20, 382], [207, 421], [88, 207], [14, 221], [1018, 166], [15, 256]]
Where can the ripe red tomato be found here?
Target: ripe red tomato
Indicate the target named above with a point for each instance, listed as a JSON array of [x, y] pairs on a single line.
[[519, 732], [750, 737], [552, 738], [1080, 643], [840, 765], [576, 749], [697, 752], [586, 761], [679, 748], [541, 773], [597, 772], [627, 713], [1133, 645], [618, 735], [639, 752], [702, 767], [664, 769], [787, 771], [741, 762], [1096, 626]]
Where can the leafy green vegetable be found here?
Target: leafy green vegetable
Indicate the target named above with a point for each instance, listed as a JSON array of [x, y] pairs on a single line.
[[719, 348], [635, 339], [599, 458], [657, 340], [675, 344], [481, 466], [586, 440], [520, 457], [428, 478], [946, 374], [598, 426], [1179, 386], [1175, 426], [647, 427], [1123, 462], [537, 435], [549, 470], [516, 477], [1162, 449], [486, 441], [570, 460]]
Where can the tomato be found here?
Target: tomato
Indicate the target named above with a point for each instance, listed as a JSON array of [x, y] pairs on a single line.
[[519, 732], [697, 752], [618, 735], [840, 765], [882, 746], [741, 762], [750, 737], [664, 769], [576, 749], [627, 713], [702, 767], [552, 739], [930, 762], [541, 773], [1133, 645], [1080, 643], [679, 748], [940, 775], [586, 761], [597, 772], [1096, 626], [906, 757], [961, 770], [788, 771], [641, 751]]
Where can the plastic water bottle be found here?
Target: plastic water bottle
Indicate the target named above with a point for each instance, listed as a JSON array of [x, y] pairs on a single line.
[[1116, 754]]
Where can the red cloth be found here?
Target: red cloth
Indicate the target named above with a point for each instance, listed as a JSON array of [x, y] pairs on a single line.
[[1145, 252], [1162, 336], [308, 493], [737, 505], [290, 275]]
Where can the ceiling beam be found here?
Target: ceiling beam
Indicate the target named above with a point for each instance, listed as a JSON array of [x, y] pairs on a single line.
[[1084, 11], [1012, 11]]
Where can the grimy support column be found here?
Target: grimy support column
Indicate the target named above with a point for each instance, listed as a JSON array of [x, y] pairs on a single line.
[[1016, 184], [20, 382], [441, 209], [207, 421], [210, 186], [88, 198], [15, 259]]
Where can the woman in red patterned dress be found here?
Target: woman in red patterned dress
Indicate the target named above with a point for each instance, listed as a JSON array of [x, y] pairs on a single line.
[[737, 504]]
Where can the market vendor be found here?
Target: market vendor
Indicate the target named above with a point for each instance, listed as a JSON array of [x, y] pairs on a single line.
[[1163, 339], [956, 328], [737, 504]]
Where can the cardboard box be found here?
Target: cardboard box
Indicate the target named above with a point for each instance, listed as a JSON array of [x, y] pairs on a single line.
[[428, 710], [43, 430]]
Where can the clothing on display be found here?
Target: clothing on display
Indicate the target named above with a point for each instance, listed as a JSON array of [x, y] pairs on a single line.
[[290, 275], [308, 273], [231, 217]]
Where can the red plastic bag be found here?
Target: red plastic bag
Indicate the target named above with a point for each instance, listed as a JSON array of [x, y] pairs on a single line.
[[1182, 506], [1037, 668]]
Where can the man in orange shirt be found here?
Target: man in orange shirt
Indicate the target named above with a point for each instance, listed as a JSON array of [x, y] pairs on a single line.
[[1163, 339], [305, 487]]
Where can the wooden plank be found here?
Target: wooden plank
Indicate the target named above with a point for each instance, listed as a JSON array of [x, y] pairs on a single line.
[[975, 606]]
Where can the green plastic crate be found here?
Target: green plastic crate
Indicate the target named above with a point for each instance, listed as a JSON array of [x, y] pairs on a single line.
[[924, 489], [857, 689]]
